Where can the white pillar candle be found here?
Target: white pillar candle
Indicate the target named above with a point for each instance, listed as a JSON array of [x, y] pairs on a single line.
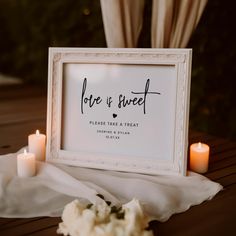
[[36, 144], [199, 157], [26, 164]]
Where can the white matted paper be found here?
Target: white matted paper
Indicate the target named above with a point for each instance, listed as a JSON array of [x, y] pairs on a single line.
[[119, 109]]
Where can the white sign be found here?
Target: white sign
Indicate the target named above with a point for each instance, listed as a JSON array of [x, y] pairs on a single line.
[[119, 109]]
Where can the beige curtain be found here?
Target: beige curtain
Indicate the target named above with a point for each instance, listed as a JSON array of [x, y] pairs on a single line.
[[122, 20], [173, 21]]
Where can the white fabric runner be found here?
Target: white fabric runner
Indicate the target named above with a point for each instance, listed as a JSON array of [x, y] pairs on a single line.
[[56, 185]]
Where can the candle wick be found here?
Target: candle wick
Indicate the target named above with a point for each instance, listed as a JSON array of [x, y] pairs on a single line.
[[25, 152], [37, 132], [199, 145]]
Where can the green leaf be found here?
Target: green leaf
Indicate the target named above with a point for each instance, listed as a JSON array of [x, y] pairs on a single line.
[[101, 196], [89, 206]]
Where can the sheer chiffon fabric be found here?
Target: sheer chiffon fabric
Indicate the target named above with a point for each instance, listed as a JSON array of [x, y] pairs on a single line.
[[54, 186]]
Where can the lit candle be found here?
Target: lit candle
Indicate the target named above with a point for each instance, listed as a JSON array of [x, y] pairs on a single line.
[[199, 157], [26, 164], [36, 144]]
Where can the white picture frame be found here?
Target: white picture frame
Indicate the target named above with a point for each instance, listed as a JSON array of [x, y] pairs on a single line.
[[83, 124]]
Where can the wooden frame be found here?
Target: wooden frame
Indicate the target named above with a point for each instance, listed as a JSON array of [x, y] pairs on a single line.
[[88, 93]]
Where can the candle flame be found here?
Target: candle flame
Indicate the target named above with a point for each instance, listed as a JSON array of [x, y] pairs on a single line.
[[37, 132], [25, 152], [199, 145]]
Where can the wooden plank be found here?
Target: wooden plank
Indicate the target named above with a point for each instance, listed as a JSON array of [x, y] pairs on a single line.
[[15, 92], [228, 180], [18, 222], [15, 136], [28, 227], [220, 164], [222, 152], [22, 110], [231, 152], [216, 175], [195, 137], [221, 148], [5, 221], [49, 231], [215, 217]]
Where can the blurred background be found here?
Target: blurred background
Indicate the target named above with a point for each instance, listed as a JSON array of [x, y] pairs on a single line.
[[28, 28]]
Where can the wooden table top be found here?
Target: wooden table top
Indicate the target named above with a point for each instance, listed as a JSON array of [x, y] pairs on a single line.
[[23, 109]]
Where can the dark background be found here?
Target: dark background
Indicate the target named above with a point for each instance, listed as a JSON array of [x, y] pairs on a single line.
[[29, 27]]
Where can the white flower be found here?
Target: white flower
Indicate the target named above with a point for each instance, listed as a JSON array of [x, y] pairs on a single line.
[[70, 214], [104, 220], [103, 212], [134, 217]]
